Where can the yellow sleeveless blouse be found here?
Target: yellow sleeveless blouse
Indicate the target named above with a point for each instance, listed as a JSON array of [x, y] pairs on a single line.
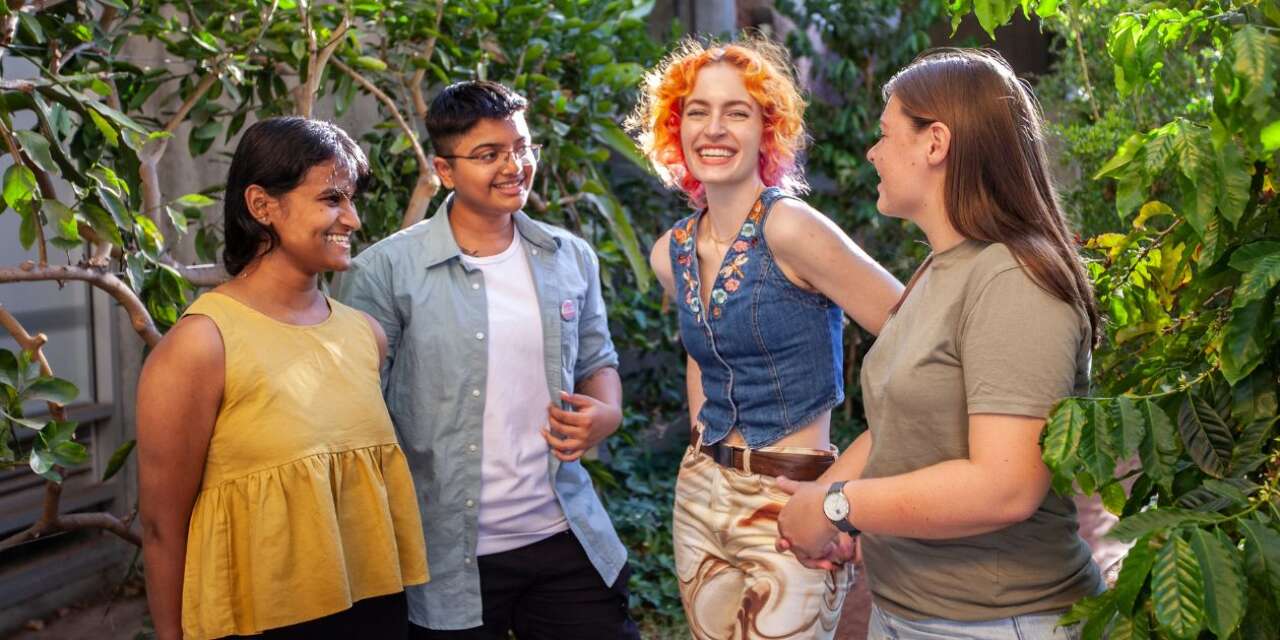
[[307, 504]]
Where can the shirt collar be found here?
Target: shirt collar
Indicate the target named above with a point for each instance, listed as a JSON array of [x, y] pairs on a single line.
[[441, 245]]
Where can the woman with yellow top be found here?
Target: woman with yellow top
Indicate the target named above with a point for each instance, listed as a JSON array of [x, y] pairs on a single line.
[[274, 498]]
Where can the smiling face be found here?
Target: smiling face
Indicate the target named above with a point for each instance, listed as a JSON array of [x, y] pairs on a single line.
[[902, 159], [500, 187], [721, 128], [314, 220]]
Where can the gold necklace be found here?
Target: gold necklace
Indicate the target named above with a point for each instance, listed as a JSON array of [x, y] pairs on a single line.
[[724, 243]]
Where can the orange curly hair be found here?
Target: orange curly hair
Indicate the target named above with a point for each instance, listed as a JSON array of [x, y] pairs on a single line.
[[766, 71]]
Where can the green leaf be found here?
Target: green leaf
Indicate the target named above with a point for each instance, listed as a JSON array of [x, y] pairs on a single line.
[[1131, 190], [1124, 155], [37, 148], [1097, 443], [1177, 587], [993, 13], [179, 221], [48, 389], [1255, 53], [1245, 339], [10, 373], [1248, 256], [1141, 524], [1137, 627], [1159, 448], [1258, 281], [1133, 426], [118, 459], [1062, 442], [29, 423], [41, 461], [1224, 586], [1270, 137], [19, 185], [615, 138], [1133, 575], [1206, 436], [198, 200], [1234, 175], [1113, 498], [623, 234], [27, 233], [108, 131], [63, 219], [1262, 556]]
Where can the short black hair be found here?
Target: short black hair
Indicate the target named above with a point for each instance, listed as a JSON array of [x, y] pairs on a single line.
[[457, 108], [276, 154]]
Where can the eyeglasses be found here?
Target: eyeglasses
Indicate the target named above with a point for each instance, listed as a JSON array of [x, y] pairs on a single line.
[[520, 155]]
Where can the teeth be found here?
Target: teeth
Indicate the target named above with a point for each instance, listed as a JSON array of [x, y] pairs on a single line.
[[338, 239], [514, 183], [715, 153]]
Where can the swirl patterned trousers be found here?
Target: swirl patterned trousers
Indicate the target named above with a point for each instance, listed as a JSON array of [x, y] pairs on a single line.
[[732, 582]]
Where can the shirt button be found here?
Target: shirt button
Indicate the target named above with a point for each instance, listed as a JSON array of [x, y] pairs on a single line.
[[471, 503], [472, 447], [535, 252], [475, 285], [475, 393], [479, 335], [466, 560]]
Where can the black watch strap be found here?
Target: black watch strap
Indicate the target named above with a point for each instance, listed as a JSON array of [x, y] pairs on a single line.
[[842, 524]]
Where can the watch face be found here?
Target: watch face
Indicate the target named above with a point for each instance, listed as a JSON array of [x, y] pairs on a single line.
[[836, 506]]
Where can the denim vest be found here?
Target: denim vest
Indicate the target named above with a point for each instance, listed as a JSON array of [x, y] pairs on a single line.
[[771, 353]]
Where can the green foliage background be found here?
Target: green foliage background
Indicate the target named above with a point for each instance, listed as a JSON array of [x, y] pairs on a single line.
[[1165, 121]]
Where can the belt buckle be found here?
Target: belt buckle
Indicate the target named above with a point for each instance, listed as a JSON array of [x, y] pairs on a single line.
[[724, 456]]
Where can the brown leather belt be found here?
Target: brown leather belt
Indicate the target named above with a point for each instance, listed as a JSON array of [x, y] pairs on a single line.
[[797, 466]]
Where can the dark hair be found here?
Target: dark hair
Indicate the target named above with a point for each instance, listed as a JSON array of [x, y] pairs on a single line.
[[276, 154], [457, 108], [998, 187]]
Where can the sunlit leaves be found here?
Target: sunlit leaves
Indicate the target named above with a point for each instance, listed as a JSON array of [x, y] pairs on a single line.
[[1178, 589]]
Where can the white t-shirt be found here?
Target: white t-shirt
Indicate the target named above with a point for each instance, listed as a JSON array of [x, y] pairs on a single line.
[[517, 504]]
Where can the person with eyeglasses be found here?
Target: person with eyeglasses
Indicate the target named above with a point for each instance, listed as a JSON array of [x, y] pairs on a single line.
[[500, 375]]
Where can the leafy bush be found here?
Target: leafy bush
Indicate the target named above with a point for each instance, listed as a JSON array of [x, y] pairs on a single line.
[[1188, 279]]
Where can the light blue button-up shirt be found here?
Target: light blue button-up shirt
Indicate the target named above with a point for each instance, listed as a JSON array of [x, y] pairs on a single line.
[[433, 309]]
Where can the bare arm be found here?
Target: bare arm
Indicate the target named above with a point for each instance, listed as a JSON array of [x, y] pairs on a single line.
[[1003, 482], [660, 261], [179, 394], [816, 254], [595, 414]]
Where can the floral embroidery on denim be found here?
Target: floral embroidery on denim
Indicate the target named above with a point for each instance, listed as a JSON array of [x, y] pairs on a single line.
[[730, 276]]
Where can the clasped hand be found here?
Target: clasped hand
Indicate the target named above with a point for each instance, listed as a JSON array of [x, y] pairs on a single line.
[[571, 433], [804, 530]]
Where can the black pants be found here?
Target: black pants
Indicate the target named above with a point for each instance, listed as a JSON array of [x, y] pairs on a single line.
[[383, 617], [548, 590]]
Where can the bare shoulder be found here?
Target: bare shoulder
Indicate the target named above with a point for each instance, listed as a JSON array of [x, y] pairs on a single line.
[[793, 225], [193, 342], [660, 260], [184, 372]]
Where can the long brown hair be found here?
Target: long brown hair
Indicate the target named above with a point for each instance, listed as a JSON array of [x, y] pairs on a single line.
[[998, 187]]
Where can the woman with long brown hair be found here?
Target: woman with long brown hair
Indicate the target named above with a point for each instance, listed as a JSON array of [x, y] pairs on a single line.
[[959, 532]]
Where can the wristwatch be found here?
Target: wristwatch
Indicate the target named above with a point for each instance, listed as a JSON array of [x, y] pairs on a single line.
[[836, 507]]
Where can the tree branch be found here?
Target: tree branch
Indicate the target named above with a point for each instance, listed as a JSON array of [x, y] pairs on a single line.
[[306, 97], [415, 86], [51, 522], [428, 183], [153, 151], [9, 24], [107, 282]]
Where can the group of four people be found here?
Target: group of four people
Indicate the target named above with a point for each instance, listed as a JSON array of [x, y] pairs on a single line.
[[301, 457]]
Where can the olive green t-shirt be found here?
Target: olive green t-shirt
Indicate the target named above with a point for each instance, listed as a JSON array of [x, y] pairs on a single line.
[[975, 335]]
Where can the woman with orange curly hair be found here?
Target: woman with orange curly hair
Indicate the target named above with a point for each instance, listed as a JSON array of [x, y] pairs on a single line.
[[760, 279]]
